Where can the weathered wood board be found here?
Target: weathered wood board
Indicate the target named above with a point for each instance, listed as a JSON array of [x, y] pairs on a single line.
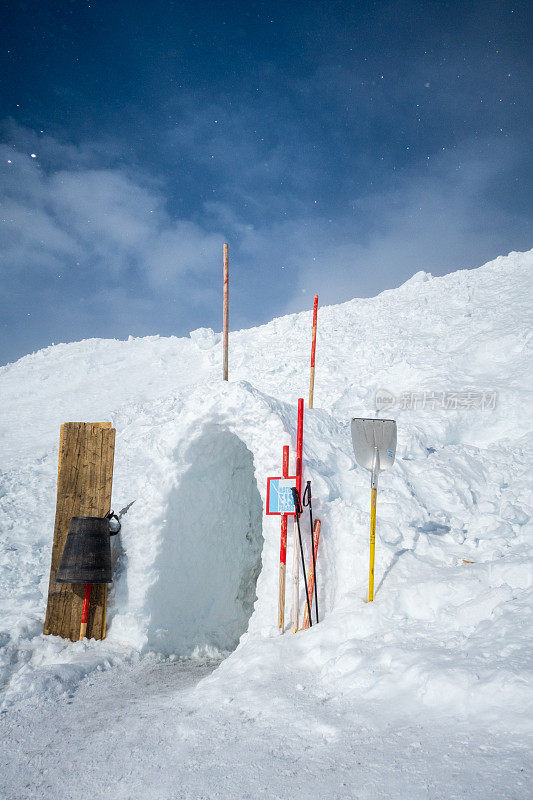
[[84, 483]]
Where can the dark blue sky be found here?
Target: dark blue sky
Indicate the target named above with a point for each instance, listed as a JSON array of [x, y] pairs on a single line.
[[338, 146]]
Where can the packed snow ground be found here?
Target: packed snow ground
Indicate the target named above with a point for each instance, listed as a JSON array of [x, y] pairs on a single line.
[[423, 694]]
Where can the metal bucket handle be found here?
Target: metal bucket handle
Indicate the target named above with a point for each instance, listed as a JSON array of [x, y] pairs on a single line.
[[111, 516]]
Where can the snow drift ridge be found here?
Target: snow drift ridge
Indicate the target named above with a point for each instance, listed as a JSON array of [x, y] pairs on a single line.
[[450, 634]]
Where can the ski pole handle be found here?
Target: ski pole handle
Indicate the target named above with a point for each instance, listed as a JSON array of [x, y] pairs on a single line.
[[296, 499]]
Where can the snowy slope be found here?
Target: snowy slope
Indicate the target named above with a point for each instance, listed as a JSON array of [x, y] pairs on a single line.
[[443, 637]]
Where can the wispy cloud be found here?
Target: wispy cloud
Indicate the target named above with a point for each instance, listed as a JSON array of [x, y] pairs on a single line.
[[111, 222], [307, 206], [97, 241]]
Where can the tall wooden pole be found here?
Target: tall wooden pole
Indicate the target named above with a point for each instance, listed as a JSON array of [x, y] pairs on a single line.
[[313, 351], [225, 312], [296, 556]]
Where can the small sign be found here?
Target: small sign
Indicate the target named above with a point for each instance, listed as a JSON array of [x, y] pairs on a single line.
[[279, 495]]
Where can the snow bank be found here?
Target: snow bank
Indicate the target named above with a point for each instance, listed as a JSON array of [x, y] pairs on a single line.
[[197, 561]]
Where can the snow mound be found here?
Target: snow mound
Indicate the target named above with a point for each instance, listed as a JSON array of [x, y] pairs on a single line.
[[197, 560]]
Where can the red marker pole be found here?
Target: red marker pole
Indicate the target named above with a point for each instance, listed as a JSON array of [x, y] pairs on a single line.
[[85, 611], [283, 551], [311, 573], [225, 311], [299, 444], [296, 557], [313, 351]]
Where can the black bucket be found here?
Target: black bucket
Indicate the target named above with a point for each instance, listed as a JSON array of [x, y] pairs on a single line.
[[87, 553]]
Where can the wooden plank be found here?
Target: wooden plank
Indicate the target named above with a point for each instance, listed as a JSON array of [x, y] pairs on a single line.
[[84, 483]]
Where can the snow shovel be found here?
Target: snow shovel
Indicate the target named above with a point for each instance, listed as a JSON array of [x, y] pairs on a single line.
[[374, 445]]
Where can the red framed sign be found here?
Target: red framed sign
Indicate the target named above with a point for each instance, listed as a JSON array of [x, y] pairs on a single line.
[[279, 495]]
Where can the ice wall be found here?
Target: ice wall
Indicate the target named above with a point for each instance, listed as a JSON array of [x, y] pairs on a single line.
[[209, 553]]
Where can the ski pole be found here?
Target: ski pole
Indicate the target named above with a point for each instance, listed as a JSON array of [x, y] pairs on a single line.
[[298, 509], [307, 502]]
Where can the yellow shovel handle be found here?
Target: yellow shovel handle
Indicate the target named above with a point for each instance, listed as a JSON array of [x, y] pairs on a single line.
[[373, 501]]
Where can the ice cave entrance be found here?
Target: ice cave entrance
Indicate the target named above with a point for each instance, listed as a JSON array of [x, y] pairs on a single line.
[[210, 556]]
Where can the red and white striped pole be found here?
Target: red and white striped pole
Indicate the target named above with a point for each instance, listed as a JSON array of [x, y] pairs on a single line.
[[225, 311], [296, 555], [283, 550], [85, 611], [311, 573], [313, 351]]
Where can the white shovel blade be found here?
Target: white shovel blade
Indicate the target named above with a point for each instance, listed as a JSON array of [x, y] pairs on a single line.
[[367, 434]]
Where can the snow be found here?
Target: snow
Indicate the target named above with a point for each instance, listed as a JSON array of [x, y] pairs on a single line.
[[422, 694]]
